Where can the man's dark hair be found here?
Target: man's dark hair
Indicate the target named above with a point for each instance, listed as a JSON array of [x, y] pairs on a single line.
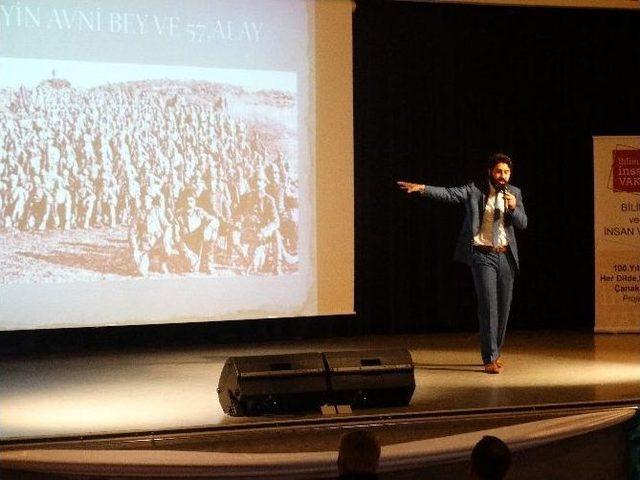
[[490, 459], [497, 158]]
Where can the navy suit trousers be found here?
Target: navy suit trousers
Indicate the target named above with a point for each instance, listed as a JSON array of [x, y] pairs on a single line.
[[493, 276]]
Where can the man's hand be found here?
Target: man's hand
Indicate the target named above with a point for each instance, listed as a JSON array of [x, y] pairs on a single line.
[[411, 187], [510, 200]]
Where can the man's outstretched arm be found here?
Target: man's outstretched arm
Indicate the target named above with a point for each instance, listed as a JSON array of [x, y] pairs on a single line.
[[443, 194]]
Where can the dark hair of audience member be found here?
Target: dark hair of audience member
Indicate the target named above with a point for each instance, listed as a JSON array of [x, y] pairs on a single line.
[[359, 453], [490, 459]]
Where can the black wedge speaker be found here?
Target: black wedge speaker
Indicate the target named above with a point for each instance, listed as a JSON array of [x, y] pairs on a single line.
[[371, 378], [271, 384]]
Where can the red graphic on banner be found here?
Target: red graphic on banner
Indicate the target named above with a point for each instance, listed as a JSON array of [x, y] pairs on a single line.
[[626, 170]]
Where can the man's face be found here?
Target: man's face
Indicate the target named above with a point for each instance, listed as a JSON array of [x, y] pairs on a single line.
[[500, 175]]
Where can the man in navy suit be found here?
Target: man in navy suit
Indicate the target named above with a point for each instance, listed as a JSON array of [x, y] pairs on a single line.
[[487, 243]]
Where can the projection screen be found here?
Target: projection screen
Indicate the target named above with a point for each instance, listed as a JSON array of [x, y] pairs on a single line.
[[169, 161]]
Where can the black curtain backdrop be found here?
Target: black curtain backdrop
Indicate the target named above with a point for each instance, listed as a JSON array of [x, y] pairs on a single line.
[[439, 87], [436, 88]]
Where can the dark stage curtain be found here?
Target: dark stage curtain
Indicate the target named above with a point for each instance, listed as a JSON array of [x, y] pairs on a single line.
[[437, 88]]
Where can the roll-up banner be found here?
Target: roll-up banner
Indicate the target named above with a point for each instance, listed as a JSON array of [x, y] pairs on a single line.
[[616, 168]]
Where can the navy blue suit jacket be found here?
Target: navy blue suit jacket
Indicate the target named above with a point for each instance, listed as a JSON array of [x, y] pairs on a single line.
[[475, 200]]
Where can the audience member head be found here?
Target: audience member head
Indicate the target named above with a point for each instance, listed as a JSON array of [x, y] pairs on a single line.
[[359, 453], [490, 459]]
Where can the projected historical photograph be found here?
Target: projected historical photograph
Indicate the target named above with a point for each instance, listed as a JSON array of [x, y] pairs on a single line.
[[146, 173]]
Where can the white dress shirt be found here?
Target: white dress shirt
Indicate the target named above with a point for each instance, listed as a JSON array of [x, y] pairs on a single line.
[[492, 232]]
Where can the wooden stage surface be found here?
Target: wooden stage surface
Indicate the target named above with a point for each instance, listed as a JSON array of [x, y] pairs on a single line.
[[173, 392]]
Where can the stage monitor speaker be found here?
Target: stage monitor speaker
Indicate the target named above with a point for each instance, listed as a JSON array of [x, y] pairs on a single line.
[[371, 379], [270, 384]]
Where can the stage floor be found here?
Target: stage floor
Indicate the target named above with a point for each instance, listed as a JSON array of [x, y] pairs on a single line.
[[129, 392]]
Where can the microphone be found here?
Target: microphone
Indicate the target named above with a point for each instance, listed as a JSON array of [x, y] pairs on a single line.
[[503, 188]]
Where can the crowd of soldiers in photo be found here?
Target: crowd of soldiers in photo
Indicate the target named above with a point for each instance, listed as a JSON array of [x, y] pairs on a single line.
[[196, 189]]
